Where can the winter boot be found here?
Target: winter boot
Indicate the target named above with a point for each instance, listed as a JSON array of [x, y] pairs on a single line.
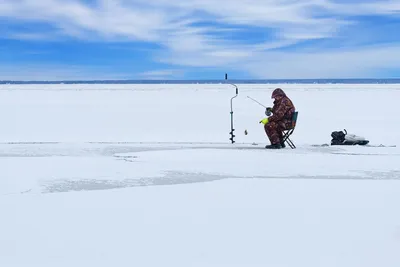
[[275, 146]]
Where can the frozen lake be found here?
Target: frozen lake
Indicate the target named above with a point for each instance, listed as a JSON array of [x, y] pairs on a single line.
[[145, 175]]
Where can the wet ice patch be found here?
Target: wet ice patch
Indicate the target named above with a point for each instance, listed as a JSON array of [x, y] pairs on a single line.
[[284, 163], [170, 178], [181, 178]]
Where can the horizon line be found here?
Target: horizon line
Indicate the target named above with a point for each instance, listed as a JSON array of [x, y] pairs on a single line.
[[237, 79], [171, 81]]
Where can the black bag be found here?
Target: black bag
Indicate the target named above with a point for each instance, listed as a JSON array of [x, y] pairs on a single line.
[[338, 137]]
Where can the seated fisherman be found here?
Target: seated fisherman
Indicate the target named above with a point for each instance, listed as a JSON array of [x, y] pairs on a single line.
[[281, 119]]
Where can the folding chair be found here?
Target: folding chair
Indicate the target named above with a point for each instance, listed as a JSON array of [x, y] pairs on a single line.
[[288, 132]]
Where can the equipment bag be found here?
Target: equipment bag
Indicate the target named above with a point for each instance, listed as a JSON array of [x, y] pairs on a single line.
[[342, 138]]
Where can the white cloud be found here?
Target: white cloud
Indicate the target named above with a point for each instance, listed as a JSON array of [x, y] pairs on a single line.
[[189, 35], [109, 19], [162, 74], [375, 7], [352, 63], [159, 19], [58, 72], [28, 36]]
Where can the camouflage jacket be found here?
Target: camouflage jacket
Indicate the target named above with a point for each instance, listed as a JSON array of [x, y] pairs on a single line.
[[282, 110]]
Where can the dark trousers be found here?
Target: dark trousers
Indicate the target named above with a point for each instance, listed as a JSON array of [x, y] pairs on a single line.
[[274, 130]]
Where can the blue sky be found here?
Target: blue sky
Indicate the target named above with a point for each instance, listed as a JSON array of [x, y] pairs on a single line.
[[198, 39]]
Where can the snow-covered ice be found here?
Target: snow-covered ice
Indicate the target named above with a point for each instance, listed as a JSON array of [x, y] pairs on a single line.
[[145, 175]]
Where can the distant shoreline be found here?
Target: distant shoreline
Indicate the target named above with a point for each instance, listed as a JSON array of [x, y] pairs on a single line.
[[239, 81]]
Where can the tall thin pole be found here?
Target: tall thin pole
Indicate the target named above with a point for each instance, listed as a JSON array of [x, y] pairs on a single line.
[[237, 92]]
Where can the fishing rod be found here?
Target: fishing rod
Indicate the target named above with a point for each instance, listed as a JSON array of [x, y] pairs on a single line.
[[256, 101], [268, 110]]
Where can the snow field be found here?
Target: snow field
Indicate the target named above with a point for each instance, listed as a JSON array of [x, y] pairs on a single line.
[[144, 175]]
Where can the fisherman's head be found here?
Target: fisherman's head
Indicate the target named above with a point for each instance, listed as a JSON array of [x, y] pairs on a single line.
[[278, 94]]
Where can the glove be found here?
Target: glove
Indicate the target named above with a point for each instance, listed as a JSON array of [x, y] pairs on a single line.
[[264, 121], [268, 111]]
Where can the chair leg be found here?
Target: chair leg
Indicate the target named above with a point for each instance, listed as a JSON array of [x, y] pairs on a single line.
[[287, 140], [290, 143]]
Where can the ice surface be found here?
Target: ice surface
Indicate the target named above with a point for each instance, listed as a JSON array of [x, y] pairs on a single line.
[[144, 175]]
